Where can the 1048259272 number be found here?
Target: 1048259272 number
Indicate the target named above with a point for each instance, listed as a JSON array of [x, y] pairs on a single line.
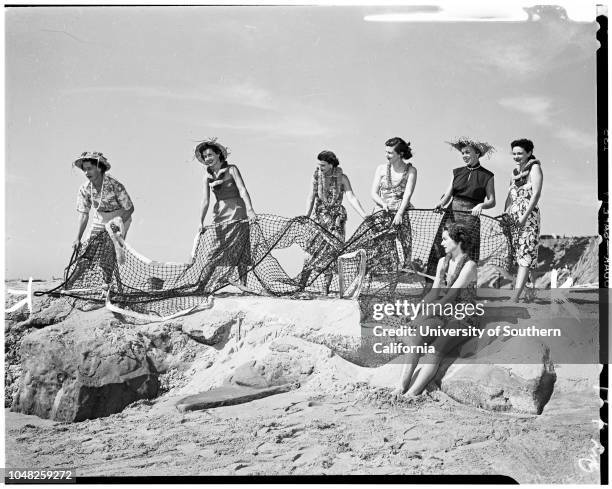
[[39, 475]]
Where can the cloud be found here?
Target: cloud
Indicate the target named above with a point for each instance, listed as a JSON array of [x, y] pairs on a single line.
[[540, 110], [244, 94], [577, 137], [552, 46]]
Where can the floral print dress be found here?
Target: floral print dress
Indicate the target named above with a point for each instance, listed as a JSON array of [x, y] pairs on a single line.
[[329, 213], [525, 240]]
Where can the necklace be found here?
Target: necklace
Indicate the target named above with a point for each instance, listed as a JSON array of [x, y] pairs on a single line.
[[390, 185], [332, 186], [93, 202]]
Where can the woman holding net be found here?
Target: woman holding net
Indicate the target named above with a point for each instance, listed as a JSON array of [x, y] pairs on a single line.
[[231, 245], [329, 186], [392, 188]]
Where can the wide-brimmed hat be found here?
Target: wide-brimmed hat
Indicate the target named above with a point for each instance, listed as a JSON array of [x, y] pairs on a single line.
[[482, 147], [92, 155], [210, 142]]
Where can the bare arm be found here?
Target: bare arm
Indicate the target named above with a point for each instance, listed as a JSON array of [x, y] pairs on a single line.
[[126, 214], [205, 202], [536, 184], [434, 292], [235, 173], [410, 184], [508, 199], [467, 275], [83, 219], [311, 199], [448, 194], [489, 199], [350, 196], [376, 187]]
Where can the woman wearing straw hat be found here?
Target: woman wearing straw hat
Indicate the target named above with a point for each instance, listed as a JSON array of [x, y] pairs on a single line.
[[102, 196], [105, 199], [230, 212], [472, 189]]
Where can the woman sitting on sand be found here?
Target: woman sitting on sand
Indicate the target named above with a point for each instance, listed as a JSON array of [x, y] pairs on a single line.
[[230, 212], [455, 282], [392, 188], [522, 206], [329, 185]]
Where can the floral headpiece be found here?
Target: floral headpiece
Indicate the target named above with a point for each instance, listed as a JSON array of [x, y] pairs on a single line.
[[210, 142], [482, 147]]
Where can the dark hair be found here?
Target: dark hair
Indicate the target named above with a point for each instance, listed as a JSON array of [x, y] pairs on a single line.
[[215, 149], [459, 234], [329, 157], [95, 163], [401, 147], [526, 144]]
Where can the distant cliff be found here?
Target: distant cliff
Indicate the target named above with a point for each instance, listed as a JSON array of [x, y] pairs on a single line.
[[577, 257]]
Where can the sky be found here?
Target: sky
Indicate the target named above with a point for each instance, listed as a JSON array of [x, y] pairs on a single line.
[[278, 85]]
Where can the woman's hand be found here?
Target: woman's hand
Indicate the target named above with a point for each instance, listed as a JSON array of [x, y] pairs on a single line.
[[477, 210], [201, 228], [397, 220]]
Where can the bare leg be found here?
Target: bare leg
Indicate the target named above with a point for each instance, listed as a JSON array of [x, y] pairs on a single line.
[[424, 377], [242, 272], [328, 277], [521, 280], [410, 364], [305, 275], [428, 370]]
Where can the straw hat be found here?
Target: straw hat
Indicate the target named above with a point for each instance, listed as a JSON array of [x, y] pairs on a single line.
[[92, 155], [210, 142], [482, 147]]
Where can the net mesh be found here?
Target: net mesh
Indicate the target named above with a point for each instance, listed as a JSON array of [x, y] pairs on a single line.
[[379, 260]]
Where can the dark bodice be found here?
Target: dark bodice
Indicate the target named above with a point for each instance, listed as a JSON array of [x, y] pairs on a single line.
[[471, 184]]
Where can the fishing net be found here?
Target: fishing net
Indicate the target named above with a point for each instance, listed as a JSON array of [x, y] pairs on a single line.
[[379, 260]]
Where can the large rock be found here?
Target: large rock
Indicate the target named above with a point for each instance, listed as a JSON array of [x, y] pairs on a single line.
[[523, 387], [85, 367]]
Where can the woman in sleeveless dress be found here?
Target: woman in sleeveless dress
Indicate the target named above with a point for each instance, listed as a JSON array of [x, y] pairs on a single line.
[[455, 283], [329, 186], [232, 247], [522, 206], [472, 190], [392, 189]]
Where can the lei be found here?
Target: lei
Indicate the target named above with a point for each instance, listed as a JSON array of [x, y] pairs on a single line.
[[520, 174], [333, 186]]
